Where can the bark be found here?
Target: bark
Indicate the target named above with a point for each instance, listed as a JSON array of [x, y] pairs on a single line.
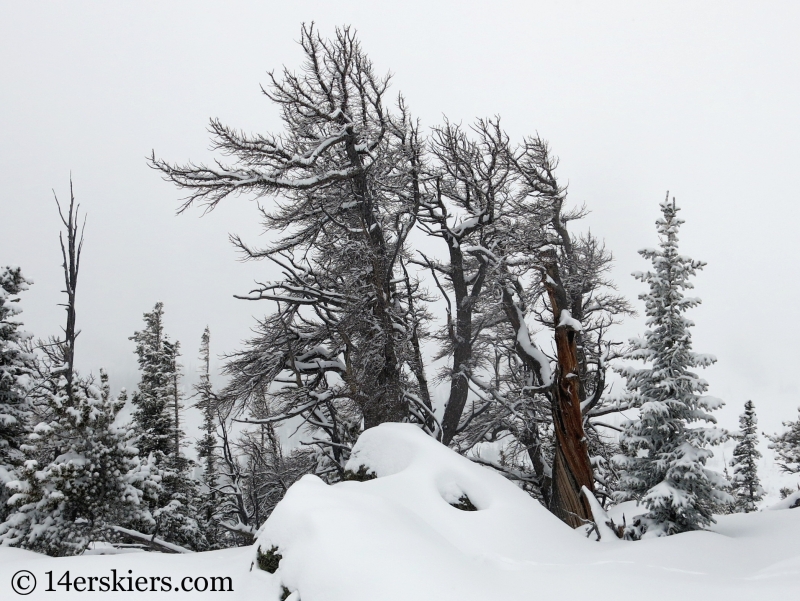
[[571, 467], [461, 336]]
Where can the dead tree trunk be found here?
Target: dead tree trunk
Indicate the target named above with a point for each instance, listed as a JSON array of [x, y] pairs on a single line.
[[71, 254], [571, 466]]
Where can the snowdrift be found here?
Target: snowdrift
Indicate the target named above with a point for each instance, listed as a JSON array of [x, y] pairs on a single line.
[[433, 525]]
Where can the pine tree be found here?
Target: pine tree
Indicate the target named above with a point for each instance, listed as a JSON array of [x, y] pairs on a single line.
[[16, 368], [663, 464], [63, 504], [156, 419], [728, 507], [746, 484]]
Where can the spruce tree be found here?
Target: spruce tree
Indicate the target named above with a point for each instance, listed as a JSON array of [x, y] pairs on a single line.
[[207, 444], [151, 416], [746, 484], [156, 419], [663, 463], [16, 367]]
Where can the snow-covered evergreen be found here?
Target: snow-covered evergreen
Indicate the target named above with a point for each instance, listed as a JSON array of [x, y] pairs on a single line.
[[663, 463], [746, 484], [406, 535], [16, 366], [787, 447], [152, 398], [207, 445], [175, 516], [62, 504]]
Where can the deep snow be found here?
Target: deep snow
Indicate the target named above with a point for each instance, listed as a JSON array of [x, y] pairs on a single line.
[[398, 537]]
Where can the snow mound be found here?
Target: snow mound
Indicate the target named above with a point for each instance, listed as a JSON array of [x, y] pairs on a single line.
[[399, 537]]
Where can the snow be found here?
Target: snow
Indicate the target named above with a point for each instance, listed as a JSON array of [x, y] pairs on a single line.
[[524, 340], [397, 537], [139, 536], [792, 501], [566, 320]]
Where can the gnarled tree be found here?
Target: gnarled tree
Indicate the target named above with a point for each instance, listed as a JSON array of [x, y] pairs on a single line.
[[342, 345]]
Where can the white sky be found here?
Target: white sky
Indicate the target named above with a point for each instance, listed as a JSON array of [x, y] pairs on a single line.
[[636, 98]]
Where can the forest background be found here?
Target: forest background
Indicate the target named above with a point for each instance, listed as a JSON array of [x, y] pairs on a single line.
[[697, 99]]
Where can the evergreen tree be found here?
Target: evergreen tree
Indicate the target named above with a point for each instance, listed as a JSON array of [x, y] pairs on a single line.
[[74, 485], [787, 447], [727, 507], [63, 504], [663, 464], [156, 419], [16, 367], [207, 444], [746, 484], [151, 417]]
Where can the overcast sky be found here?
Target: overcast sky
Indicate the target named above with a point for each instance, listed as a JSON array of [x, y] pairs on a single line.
[[700, 99]]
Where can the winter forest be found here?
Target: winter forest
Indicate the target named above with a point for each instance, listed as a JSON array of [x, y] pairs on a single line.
[[438, 335]]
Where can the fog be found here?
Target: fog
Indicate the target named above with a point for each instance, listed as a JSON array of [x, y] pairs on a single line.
[[635, 98]]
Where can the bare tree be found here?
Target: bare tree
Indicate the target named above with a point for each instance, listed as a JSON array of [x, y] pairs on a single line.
[[342, 349], [469, 186], [343, 344], [71, 255], [581, 305], [254, 473]]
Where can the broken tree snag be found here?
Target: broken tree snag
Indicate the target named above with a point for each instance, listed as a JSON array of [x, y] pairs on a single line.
[[571, 466]]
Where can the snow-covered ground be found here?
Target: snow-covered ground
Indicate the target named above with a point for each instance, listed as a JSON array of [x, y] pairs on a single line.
[[398, 537]]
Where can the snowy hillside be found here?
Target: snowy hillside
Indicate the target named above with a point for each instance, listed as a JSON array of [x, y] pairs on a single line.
[[400, 536]]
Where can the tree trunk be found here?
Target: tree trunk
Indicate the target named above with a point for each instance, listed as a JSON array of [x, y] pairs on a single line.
[[72, 258], [461, 336], [571, 467], [386, 404]]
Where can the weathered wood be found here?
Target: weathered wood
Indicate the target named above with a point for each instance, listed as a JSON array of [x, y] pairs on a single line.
[[156, 544], [571, 466], [71, 254]]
